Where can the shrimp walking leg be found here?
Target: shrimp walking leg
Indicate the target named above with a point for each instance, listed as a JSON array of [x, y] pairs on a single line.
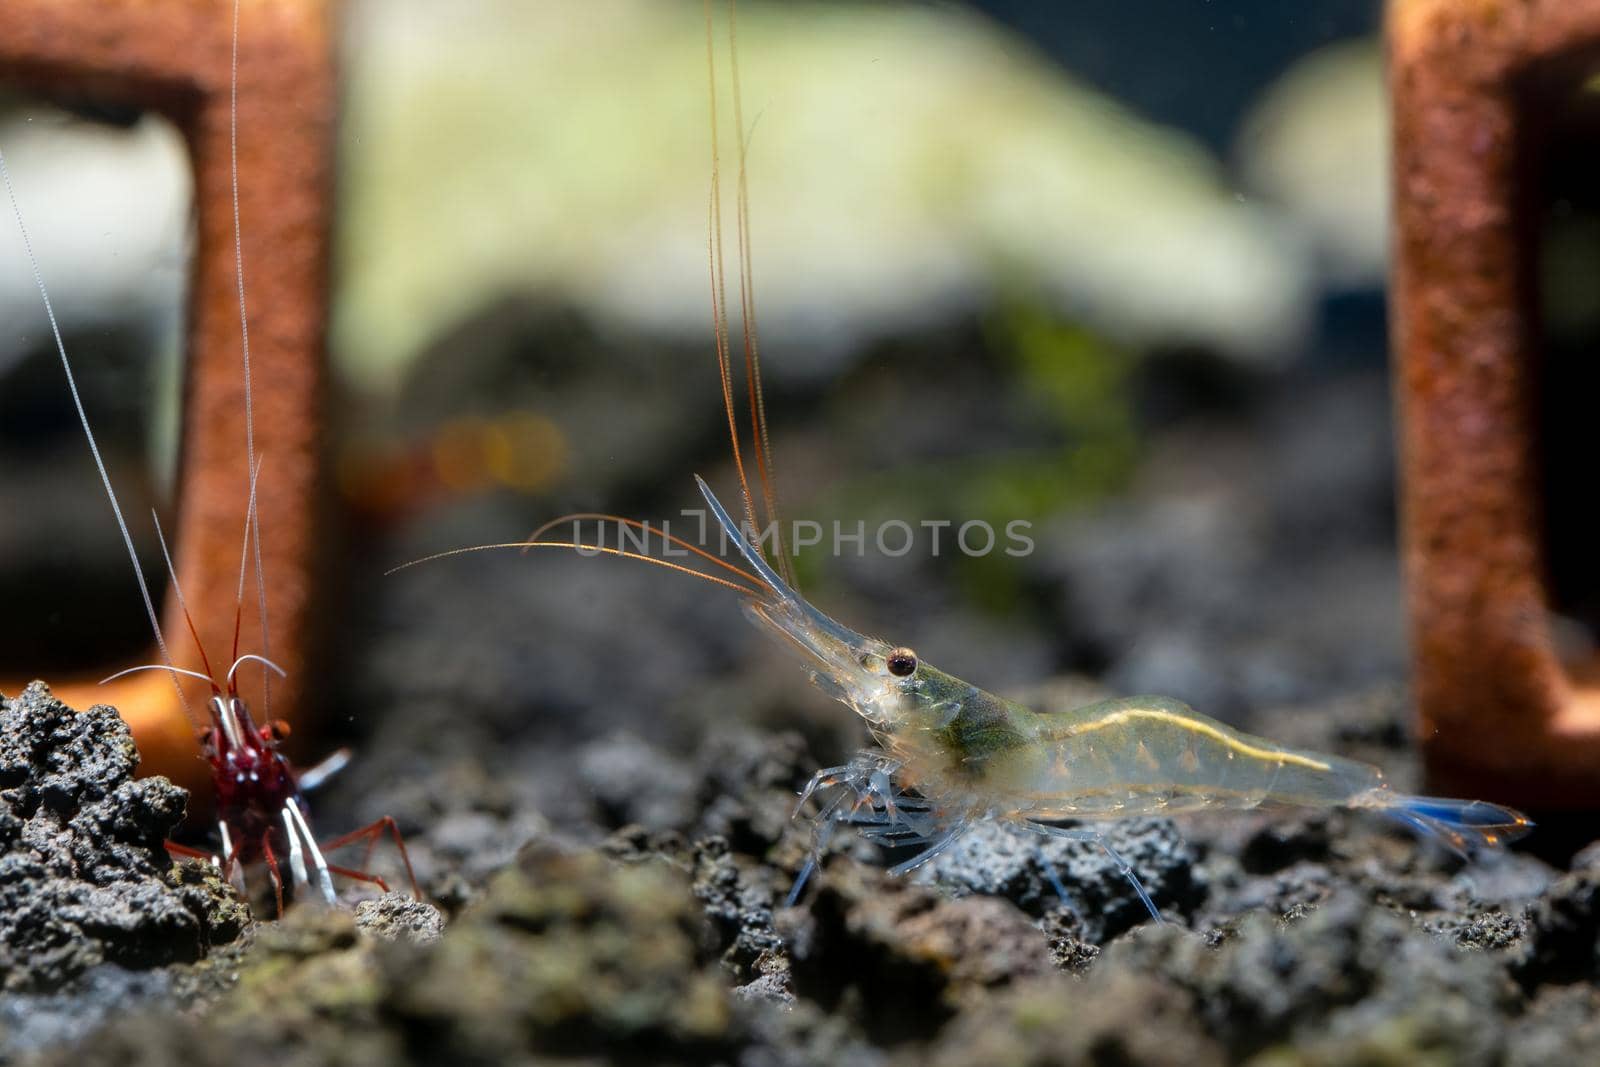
[[294, 815], [229, 853], [826, 778], [935, 847], [885, 814], [1053, 876], [297, 852], [800, 880], [822, 825], [1094, 837], [175, 849], [232, 869], [317, 775], [371, 834], [359, 876], [273, 873]]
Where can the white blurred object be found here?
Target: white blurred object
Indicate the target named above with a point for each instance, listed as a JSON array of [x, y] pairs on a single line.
[[1317, 144], [907, 163], [108, 209]]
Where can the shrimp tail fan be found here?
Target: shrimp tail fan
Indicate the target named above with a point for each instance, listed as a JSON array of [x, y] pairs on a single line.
[[1466, 827]]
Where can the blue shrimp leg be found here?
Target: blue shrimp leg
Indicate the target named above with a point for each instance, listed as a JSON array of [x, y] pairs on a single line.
[[1094, 837]]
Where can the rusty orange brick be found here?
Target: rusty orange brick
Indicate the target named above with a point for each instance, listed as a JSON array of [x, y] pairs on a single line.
[[1478, 87], [173, 57]]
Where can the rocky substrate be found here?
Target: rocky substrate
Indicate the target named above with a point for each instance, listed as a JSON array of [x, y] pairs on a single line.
[[1310, 939], [92, 911]]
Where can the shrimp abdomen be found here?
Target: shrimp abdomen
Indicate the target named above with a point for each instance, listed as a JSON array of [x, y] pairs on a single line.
[[1145, 755]]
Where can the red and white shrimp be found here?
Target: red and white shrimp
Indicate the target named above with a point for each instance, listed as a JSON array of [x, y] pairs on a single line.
[[261, 811]]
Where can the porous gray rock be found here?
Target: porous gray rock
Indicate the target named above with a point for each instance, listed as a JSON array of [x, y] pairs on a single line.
[[85, 878]]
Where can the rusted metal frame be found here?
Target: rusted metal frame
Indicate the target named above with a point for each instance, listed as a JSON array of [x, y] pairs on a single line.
[[1499, 713], [173, 57]]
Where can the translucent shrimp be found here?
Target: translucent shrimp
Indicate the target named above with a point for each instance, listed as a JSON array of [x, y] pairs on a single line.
[[948, 754]]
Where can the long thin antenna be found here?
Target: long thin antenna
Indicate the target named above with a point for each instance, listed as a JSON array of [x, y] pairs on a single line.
[[94, 448], [647, 530], [244, 559], [747, 312], [719, 283], [183, 603], [157, 667], [603, 549], [253, 467]]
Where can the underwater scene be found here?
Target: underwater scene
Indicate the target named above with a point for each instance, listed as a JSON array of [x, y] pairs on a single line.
[[778, 532]]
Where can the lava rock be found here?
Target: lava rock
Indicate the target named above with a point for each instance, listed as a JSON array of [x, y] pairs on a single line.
[[1348, 976], [1005, 861], [1127, 1019], [568, 950], [901, 958], [1562, 1026], [1564, 940], [567, 953], [741, 914], [398, 916], [84, 875]]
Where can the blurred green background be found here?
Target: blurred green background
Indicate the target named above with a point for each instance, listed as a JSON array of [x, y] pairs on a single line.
[[1109, 269]]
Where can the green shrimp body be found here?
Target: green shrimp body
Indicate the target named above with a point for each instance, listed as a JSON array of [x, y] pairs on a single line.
[[974, 755], [1142, 755]]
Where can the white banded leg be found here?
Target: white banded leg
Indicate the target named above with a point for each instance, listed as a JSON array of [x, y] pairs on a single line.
[[315, 776], [297, 853], [292, 814]]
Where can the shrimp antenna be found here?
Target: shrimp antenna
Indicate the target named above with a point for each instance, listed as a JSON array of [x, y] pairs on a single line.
[[726, 583], [157, 667], [647, 530], [244, 561], [94, 448], [183, 603], [719, 283], [244, 345], [250, 657], [747, 311]]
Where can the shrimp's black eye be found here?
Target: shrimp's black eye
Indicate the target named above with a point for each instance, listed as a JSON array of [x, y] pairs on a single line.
[[902, 661]]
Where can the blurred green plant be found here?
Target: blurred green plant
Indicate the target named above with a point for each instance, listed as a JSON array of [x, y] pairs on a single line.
[[1076, 387]]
